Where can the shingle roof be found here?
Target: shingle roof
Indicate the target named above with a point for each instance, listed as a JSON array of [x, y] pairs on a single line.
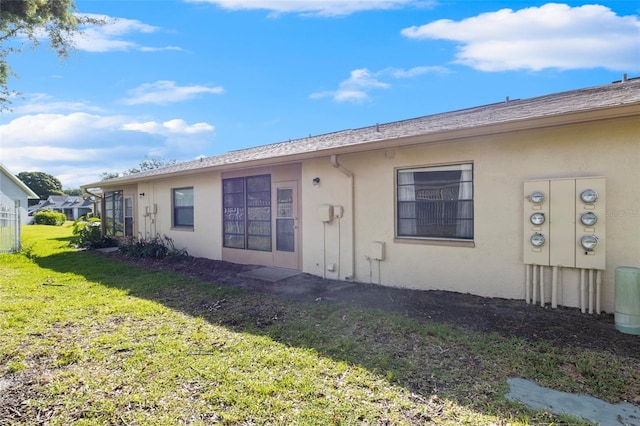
[[63, 202], [582, 100]]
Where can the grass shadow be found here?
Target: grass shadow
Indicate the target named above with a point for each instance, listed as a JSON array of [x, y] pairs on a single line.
[[425, 357]]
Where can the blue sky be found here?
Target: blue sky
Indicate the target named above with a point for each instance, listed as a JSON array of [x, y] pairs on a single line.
[[183, 79]]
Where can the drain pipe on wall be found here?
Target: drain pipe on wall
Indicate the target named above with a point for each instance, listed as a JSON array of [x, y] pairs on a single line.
[[349, 174]]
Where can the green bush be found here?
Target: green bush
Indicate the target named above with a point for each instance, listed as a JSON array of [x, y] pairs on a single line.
[[87, 233], [157, 247], [44, 217]]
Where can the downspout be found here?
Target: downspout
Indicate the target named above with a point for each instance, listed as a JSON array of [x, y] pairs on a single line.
[[349, 174]]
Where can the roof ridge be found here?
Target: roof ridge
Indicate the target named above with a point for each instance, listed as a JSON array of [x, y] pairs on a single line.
[[610, 95]]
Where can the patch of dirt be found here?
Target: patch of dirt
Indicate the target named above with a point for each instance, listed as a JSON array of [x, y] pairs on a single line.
[[563, 327]]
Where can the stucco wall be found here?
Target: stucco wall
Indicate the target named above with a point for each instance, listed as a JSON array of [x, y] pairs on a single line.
[[9, 188], [494, 267], [205, 239]]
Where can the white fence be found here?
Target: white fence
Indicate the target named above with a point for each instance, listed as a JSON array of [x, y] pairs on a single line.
[[9, 225]]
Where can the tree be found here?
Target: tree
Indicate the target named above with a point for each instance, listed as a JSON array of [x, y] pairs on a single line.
[[109, 175], [42, 184], [149, 163], [76, 192], [24, 22]]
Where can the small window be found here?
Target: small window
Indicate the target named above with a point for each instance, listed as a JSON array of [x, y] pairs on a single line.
[[435, 202], [183, 207]]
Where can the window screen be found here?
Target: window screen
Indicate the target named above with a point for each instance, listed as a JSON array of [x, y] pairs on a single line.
[[246, 204], [183, 207], [435, 202]]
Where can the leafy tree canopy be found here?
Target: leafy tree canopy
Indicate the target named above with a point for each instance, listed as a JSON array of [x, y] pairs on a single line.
[[109, 175], [26, 22], [77, 192], [42, 184], [145, 165], [150, 164]]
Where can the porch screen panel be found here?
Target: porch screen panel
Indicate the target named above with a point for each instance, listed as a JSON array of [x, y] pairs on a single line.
[[247, 213], [259, 213], [114, 214], [233, 213]]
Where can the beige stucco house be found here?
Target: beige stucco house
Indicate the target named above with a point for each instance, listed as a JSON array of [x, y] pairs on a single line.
[[488, 200]]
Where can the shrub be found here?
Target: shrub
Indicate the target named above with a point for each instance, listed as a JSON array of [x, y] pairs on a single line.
[[44, 217], [157, 247], [88, 233]]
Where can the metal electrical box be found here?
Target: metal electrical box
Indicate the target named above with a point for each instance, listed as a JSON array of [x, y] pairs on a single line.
[[536, 222], [562, 223], [591, 213], [325, 212]]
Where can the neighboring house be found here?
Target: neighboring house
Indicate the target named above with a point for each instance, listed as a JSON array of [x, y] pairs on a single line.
[[14, 196], [486, 200], [72, 206]]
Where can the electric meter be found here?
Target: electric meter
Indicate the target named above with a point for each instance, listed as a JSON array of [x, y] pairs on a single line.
[[588, 219], [537, 218], [537, 240], [589, 196], [589, 242], [536, 197]]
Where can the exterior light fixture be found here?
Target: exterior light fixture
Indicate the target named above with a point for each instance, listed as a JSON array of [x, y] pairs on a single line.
[[588, 219], [537, 218], [537, 240], [316, 181], [141, 194], [589, 196], [589, 242]]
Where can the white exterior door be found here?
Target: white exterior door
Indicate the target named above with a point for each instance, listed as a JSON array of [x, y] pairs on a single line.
[[128, 217], [285, 223]]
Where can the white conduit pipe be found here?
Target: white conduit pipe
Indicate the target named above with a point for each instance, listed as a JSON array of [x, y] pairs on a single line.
[[582, 292], [535, 280], [598, 290], [591, 290], [541, 285], [527, 283], [352, 204], [554, 288]]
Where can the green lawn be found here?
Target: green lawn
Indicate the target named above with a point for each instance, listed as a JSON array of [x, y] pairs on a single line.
[[86, 340]]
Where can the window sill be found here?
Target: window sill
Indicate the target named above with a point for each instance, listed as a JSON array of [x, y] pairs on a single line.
[[182, 228], [435, 242]]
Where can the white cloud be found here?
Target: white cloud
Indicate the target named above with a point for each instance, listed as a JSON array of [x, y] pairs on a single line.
[[164, 92], [317, 7], [78, 147], [171, 127], [361, 82], [551, 36], [42, 103], [55, 128], [416, 71], [112, 35]]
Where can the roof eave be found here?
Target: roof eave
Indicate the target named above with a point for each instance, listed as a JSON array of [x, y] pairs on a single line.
[[443, 136], [28, 191]]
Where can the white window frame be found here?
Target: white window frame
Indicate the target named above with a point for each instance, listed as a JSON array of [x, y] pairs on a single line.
[[429, 209], [182, 204]]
